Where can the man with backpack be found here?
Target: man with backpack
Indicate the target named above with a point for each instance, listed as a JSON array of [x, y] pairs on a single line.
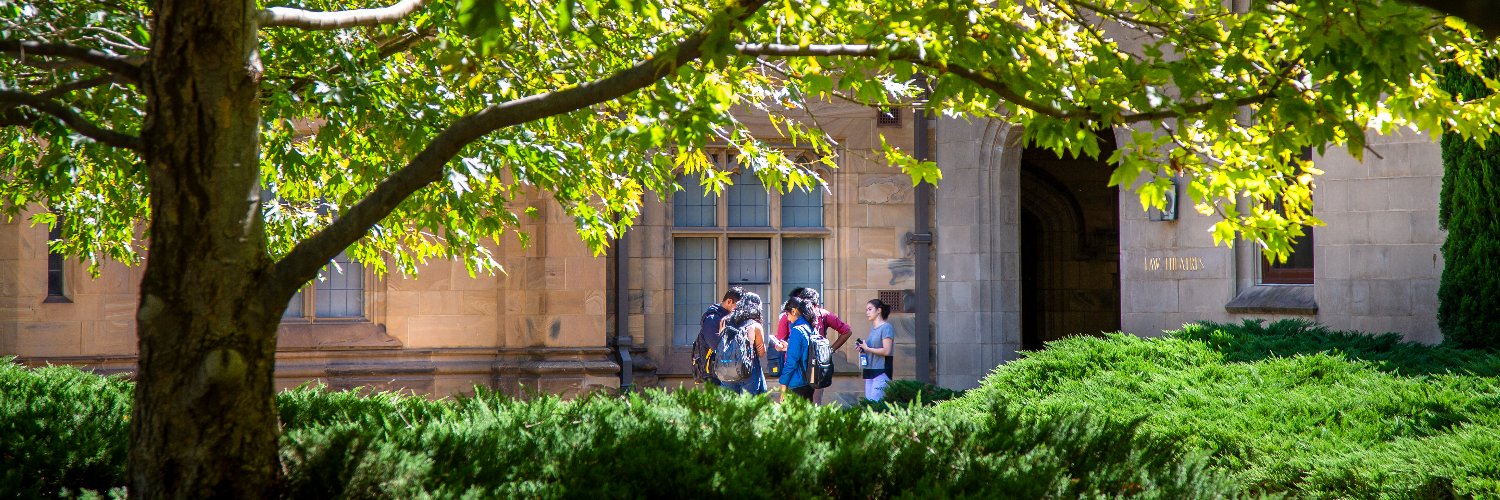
[[708, 335]]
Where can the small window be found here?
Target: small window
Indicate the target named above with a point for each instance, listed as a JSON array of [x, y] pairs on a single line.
[[802, 207], [802, 263], [749, 203], [694, 206], [338, 293]]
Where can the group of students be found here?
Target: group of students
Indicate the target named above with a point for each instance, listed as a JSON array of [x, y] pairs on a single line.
[[784, 355]]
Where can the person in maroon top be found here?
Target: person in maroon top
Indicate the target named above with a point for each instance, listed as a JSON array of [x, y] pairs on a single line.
[[825, 319]]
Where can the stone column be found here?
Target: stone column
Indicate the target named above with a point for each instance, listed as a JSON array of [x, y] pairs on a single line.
[[977, 312], [554, 331]]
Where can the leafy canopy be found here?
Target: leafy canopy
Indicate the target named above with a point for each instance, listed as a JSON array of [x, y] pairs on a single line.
[[1230, 100]]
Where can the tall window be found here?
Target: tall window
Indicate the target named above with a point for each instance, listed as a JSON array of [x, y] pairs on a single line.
[[750, 265], [694, 280], [56, 282], [767, 243], [1298, 268], [337, 295], [802, 263]]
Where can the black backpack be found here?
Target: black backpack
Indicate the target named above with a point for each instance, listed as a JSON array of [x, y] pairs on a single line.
[[703, 349], [734, 356], [819, 362], [701, 353]]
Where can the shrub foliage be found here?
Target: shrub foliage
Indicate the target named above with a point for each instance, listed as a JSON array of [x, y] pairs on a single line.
[[61, 430], [1209, 411], [656, 444], [1286, 408], [1469, 208]]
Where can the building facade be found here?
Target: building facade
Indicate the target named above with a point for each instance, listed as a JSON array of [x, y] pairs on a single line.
[[1021, 246]]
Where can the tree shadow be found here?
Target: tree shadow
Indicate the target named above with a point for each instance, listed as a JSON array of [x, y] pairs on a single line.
[[1254, 340]]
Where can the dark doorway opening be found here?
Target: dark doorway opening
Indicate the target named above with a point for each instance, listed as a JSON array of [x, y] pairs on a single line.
[[1070, 251], [1031, 338]]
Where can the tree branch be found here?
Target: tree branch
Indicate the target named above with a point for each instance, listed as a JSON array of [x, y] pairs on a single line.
[[308, 256], [69, 117], [387, 49], [991, 84], [313, 20], [996, 86], [114, 64], [1478, 13]]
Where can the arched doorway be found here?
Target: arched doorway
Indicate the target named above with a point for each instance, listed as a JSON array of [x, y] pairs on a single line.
[[1070, 253]]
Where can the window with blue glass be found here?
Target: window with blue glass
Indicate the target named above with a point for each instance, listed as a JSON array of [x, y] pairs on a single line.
[[750, 265], [766, 242], [694, 206], [802, 263], [749, 203], [802, 207], [694, 284], [338, 294]]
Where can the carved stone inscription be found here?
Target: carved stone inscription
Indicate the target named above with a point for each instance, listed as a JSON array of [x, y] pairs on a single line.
[[1157, 264]]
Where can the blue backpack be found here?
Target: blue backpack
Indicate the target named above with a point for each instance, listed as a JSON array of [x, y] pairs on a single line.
[[733, 358]]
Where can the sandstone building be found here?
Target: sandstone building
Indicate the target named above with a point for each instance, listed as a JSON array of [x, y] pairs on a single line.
[[1018, 247]]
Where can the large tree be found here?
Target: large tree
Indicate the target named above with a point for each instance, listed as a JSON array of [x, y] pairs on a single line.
[[254, 144]]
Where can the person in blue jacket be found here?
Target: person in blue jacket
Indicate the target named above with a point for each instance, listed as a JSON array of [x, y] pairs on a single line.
[[794, 372]]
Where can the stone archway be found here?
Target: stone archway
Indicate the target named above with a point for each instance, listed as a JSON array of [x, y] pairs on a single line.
[[977, 314]]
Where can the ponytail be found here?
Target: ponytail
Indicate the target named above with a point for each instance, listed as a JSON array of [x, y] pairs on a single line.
[[885, 309]]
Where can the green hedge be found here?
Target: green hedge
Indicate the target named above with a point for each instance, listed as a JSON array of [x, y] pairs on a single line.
[[686, 443], [1210, 410], [711, 443], [1286, 408], [61, 431]]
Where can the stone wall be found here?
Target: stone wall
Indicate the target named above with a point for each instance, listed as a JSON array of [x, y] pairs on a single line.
[[97, 318], [1377, 260], [539, 326]]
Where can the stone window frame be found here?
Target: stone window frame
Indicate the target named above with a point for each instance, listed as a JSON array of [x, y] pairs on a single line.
[[1279, 289], [722, 232], [341, 264]]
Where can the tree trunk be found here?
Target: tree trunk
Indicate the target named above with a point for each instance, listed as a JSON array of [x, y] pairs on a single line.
[[204, 422]]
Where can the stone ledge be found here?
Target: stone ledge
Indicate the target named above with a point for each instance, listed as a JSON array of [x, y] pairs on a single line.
[[434, 372], [1275, 299], [333, 336]]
